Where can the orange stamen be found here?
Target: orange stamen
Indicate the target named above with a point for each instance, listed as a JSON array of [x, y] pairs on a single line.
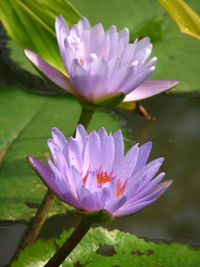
[[103, 177], [85, 177], [120, 189], [81, 61]]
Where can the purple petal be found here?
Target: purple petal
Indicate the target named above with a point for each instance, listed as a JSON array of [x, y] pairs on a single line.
[[150, 88], [156, 192], [102, 133], [141, 179], [75, 182], [131, 209], [75, 153], [58, 137], [97, 33], [119, 148], [91, 182], [90, 202], [112, 35], [79, 77], [55, 169], [143, 50], [92, 152], [81, 136], [62, 31], [143, 155], [81, 133], [134, 81], [80, 27], [113, 205], [53, 147], [104, 195], [118, 75], [49, 71], [127, 164], [146, 189], [97, 77], [107, 151], [50, 180], [124, 36], [148, 171]]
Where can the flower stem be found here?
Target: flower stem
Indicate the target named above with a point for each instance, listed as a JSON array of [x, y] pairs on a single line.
[[34, 229], [85, 117], [37, 223], [70, 244]]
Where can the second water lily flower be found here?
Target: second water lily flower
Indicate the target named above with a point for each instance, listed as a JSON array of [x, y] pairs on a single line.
[[102, 66], [92, 174]]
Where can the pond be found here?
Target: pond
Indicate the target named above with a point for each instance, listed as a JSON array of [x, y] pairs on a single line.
[[176, 215]]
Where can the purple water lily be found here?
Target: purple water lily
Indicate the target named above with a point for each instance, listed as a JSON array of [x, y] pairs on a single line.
[[102, 64], [91, 172]]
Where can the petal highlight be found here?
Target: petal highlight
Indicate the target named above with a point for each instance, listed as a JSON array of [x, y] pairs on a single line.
[[49, 71], [150, 88]]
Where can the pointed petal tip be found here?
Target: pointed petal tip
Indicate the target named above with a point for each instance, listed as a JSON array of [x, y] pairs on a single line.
[[31, 160], [174, 82], [154, 59], [29, 54], [59, 20], [150, 88], [54, 130], [149, 143], [164, 186], [118, 132], [160, 160], [50, 141], [84, 19], [26, 51], [80, 126], [47, 70], [152, 68], [167, 183], [59, 16]]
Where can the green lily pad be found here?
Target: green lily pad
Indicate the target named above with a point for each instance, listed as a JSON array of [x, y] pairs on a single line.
[[31, 24], [101, 247], [26, 121]]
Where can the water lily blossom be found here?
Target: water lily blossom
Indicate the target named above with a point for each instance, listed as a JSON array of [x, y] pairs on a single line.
[[90, 172], [102, 65]]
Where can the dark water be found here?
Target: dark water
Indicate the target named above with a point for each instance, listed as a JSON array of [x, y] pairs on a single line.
[[176, 136]]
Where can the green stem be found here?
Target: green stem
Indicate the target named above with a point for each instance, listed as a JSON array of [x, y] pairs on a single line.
[[85, 117], [70, 244], [37, 223]]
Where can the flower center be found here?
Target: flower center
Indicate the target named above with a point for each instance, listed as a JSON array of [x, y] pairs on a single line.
[[81, 61], [103, 177]]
